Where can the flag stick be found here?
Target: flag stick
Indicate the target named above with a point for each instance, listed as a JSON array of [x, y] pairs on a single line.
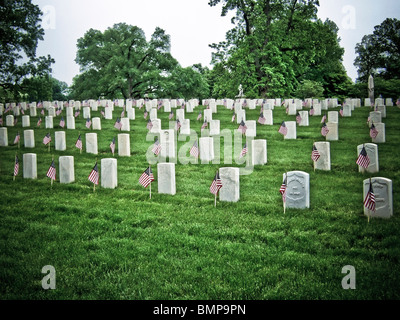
[[51, 179], [284, 201], [215, 201], [80, 149], [14, 165], [150, 181]]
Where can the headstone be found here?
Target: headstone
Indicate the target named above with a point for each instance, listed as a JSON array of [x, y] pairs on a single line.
[[153, 114], [251, 130], [29, 166], [67, 170], [109, 173], [382, 110], [304, 119], [375, 117], [60, 143], [291, 130], [292, 109], [214, 127], [381, 137], [382, 188], [86, 112], [324, 105], [51, 112], [96, 123], [156, 126], [240, 115], [333, 134], [91, 143], [347, 110], [71, 122], [230, 190], [124, 145], [206, 146], [69, 112], [125, 124], [32, 111], [389, 102], [269, 118], [324, 161], [207, 115], [333, 116], [29, 138], [259, 152], [185, 127], [297, 190], [367, 102], [26, 121], [10, 120], [3, 137], [167, 141], [167, 106], [166, 178], [108, 113], [131, 113], [372, 153], [49, 122]]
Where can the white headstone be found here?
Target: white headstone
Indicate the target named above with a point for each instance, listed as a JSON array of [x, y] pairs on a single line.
[[51, 111], [131, 113], [109, 173], [185, 127], [96, 123], [259, 152], [29, 166], [156, 126], [291, 130], [297, 190], [124, 145], [207, 115], [381, 137], [3, 137], [240, 115], [206, 146], [26, 122], [333, 134], [269, 118], [367, 102], [167, 141], [251, 130], [10, 120], [304, 119], [389, 102], [166, 178], [372, 153], [230, 191], [60, 143], [32, 111], [86, 112], [382, 188], [49, 122], [292, 109], [91, 143], [324, 161], [347, 110], [333, 116], [382, 110], [71, 122], [29, 138], [67, 170], [214, 127], [375, 117], [108, 113], [153, 114], [125, 124]]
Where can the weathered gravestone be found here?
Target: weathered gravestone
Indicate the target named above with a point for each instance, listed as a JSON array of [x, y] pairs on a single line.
[[185, 127], [297, 190], [214, 127], [166, 178], [251, 130], [10, 120], [259, 151], [67, 171], [3, 137], [125, 124], [49, 122], [168, 147], [71, 123], [324, 161], [304, 119], [372, 154], [91, 143], [374, 117], [60, 143], [381, 136], [240, 115], [96, 123], [291, 130], [124, 146], [26, 121], [333, 116], [206, 146], [333, 134], [207, 115], [109, 173], [269, 118], [32, 111], [382, 189], [230, 191], [29, 166]]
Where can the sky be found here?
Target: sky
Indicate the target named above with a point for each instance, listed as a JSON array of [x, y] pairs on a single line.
[[191, 24]]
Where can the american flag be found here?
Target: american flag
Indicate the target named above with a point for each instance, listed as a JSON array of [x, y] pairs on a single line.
[[16, 166], [58, 112], [17, 138], [94, 175], [298, 118], [312, 111], [194, 150], [77, 113], [242, 127], [341, 111], [283, 129], [39, 122], [171, 115], [205, 124], [244, 151], [199, 116], [112, 145], [159, 104], [62, 122], [324, 129], [183, 105], [145, 114], [363, 159], [178, 125], [42, 112], [244, 103], [398, 102], [261, 118], [149, 125], [323, 118], [233, 116], [51, 173], [157, 147], [369, 201], [102, 113], [78, 143], [216, 184], [123, 113], [282, 189], [146, 178], [118, 124], [373, 132], [88, 123], [22, 110], [46, 139], [315, 153]]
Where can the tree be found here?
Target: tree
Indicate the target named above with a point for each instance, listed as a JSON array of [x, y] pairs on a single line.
[[121, 63], [274, 45], [379, 53], [309, 89], [20, 32]]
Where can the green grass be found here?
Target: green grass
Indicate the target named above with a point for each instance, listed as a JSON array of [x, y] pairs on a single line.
[[119, 244]]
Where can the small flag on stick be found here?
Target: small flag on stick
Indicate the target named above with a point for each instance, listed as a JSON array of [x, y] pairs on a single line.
[[94, 176], [194, 150], [16, 167], [363, 159], [112, 146], [283, 129], [373, 132], [315, 155], [51, 173], [324, 129], [78, 143], [369, 201]]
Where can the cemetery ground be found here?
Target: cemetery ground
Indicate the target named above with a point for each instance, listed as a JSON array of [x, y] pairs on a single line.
[[119, 244]]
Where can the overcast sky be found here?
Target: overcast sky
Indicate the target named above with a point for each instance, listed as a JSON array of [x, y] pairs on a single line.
[[192, 25]]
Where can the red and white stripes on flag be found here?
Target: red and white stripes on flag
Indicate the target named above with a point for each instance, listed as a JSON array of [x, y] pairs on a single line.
[[283, 129], [62, 122], [157, 147], [16, 166], [47, 139], [323, 118], [324, 129], [233, 116], [244, 151], [315, 155], [341, 111], [363, 159], [199, 116], [242, 127], [178, 125], [149, 125], [373, 132], [146, 178], [112, 145], [216, 184], [194, 150], [312, 111], [369, 201], [17, 138], [261, 118], [78, 143], [283, 188], [171, 115], [94, 175], [88, 123], [39, 122], [118, 124], [51, 173], [205, 124], [298, 118]]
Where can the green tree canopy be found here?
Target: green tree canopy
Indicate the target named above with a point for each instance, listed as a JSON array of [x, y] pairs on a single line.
[[379, 53], [20, 32]]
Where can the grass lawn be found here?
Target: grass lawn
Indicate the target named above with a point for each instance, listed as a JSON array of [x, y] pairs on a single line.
[[119, 244]]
